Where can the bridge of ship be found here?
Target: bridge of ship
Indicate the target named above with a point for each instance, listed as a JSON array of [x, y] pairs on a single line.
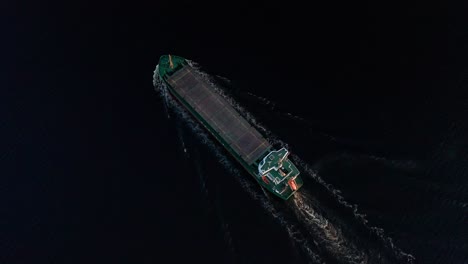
[[277, 167]]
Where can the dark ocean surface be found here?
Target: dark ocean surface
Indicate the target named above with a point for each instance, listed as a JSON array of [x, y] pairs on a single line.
[[99, 167]]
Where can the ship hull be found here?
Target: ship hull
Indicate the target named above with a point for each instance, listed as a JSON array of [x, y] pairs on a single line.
[[250, 164]]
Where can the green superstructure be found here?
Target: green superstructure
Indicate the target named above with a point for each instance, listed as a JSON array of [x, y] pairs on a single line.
[[271, 168]]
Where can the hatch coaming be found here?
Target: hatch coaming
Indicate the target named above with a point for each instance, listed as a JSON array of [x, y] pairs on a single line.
[[217, 113]]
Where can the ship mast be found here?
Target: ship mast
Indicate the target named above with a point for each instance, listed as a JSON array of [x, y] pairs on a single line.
[[170, 62]]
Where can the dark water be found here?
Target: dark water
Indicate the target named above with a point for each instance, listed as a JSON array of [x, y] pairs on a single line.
[[376, 192], [371, 99]]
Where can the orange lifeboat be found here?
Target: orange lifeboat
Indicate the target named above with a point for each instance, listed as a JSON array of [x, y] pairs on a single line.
[[292, 184]]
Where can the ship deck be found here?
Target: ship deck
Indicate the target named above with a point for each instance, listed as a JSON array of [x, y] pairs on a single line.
[[218, 113]]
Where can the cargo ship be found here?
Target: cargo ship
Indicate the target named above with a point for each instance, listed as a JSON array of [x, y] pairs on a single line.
[[269, 166]]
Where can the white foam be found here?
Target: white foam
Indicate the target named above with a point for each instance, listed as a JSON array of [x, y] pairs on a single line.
[[307, 170], [320, 227], [253, 191]]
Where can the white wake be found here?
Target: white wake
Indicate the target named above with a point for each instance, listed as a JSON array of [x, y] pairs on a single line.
[[324, 233]]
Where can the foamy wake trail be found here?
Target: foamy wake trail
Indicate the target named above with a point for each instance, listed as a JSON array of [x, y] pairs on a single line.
[[270, 104], [329, 236], [319, 227], [295, 236], [406, 165], [180, 135], [161, 88], [306, 169], [388, 242]]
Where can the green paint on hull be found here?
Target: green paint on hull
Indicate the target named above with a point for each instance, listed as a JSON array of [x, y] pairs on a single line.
[[277, 173]]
